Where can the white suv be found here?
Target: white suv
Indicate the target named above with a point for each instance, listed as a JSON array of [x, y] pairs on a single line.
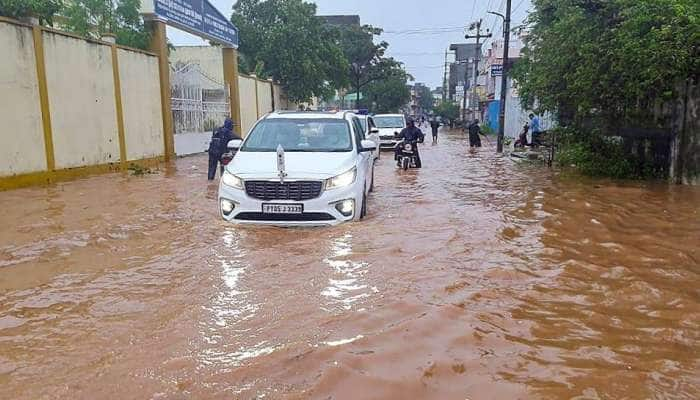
[[371, 131], [299, 168], [389, 125]]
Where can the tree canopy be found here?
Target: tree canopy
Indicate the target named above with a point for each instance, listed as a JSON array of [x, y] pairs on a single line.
[[448, 110], [284, 39], [612, 58], [388, 95], [94, 18], [91, 18], [42, 9], [382, 79], [425, 98]]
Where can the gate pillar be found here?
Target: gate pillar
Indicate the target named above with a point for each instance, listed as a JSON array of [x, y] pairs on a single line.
[[159, 45], [230, 56]]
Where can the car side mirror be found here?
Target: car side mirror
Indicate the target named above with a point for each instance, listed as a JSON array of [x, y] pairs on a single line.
[[234, 144], [374, 130], [368, 145]]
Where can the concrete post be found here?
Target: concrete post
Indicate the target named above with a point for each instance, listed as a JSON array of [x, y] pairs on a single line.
[[159, 45], [230, 56]]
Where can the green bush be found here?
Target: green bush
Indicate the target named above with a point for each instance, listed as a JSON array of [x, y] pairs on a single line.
[[595, 154]]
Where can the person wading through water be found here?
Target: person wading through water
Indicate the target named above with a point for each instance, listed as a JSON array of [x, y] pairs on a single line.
[[218, 146], [434, 126], [474, 132]]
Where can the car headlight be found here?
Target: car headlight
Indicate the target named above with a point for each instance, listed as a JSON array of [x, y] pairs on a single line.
[[232, 180], [342, 180]]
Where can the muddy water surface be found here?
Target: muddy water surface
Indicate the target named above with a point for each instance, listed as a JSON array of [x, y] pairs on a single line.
[[472, 278]]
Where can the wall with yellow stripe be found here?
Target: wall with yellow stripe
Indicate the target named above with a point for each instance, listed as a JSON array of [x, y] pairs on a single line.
[[71, 106]]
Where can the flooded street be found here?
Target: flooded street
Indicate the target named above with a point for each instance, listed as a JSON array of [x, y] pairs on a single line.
[[474, 277]]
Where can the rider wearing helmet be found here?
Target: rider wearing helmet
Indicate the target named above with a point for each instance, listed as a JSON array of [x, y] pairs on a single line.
[[410, 134]]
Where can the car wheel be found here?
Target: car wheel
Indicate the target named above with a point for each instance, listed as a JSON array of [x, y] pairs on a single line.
[[371, 185]]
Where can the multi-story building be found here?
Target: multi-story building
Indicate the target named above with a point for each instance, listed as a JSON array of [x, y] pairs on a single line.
[[515, 115], [461, 72]]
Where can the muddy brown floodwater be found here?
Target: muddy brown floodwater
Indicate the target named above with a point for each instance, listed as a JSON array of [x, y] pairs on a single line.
[[473, 278]]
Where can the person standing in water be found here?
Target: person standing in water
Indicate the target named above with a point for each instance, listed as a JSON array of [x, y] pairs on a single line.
[[434, 126], [474, 132]]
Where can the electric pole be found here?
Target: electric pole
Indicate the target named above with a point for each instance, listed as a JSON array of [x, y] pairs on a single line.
[[504, 79], [444, 80], [477, 56]]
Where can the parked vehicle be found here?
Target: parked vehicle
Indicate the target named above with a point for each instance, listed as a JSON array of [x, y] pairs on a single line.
[[389, 126], [408, 155], [371, 132], [299, 168]]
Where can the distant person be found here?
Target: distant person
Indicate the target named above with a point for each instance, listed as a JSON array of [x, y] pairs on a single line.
[[434, 126], [219, 145], [535, 129], [474, 132]]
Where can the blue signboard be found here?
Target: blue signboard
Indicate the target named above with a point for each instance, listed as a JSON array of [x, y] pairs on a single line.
[[198, 17], [496, 69]]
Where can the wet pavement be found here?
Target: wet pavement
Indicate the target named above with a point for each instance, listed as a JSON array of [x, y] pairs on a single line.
[[474, 277]]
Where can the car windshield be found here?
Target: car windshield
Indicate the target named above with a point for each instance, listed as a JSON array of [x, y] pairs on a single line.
[[300, 135], [388, 122]]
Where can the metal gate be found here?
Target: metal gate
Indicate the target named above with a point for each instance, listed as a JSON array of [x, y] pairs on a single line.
[[199, 102]]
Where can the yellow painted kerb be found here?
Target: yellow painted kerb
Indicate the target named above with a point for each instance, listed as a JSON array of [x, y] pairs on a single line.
[[43, 97], [48, 177], [120, 110]]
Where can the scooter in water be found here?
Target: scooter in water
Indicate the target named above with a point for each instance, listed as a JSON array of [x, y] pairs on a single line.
[[407, 156]]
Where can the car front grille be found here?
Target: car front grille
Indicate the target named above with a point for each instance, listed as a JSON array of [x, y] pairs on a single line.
[[387, 137], [304, 217], [271, 190]]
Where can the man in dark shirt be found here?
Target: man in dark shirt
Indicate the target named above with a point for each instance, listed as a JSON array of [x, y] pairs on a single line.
[[474, 132], [410, 134], [434, 126], [218, 146]]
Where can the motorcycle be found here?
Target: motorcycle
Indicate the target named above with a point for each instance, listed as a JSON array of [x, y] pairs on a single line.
[[408, 155]]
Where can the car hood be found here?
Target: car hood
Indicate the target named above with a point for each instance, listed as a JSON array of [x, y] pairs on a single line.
[[298, 165]]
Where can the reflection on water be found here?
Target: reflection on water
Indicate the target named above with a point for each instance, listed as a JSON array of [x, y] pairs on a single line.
[[471, 278], [345, 285]]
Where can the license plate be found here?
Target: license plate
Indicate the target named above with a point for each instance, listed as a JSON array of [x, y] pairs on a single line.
[[282, 208]]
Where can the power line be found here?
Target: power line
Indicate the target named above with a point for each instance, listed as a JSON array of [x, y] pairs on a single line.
[[471, 15], [425, 30], [425, 53]]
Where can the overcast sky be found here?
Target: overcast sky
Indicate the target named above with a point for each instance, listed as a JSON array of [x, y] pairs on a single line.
[[435, 24]]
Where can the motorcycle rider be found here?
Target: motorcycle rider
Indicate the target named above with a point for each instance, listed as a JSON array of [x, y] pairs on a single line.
[[409, 134]]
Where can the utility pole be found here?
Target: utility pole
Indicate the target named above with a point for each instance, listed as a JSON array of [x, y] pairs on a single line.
[[504, 79], [444, 80], [477, 56]]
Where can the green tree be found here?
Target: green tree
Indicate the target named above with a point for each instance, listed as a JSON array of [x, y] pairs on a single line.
[[388, 95], [604, 64], [425, 98], [448, 110], [42, 9], [94, 18], [609, 59], [284, 39], [366, 62]]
